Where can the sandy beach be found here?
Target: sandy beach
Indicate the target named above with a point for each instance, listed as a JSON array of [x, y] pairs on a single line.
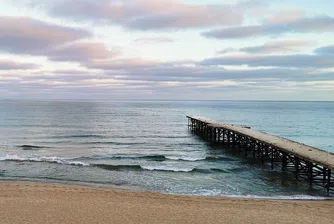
[[26, 202]]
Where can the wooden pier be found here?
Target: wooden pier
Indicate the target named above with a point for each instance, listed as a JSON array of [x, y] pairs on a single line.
[[311, 164]]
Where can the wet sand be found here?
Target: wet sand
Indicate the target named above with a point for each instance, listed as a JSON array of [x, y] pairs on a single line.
[[26, 202]]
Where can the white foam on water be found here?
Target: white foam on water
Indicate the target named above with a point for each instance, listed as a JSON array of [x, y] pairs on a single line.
[[216, 192], [167, 168], [207, 192], [52, 159], [185, 158], [281, 197]]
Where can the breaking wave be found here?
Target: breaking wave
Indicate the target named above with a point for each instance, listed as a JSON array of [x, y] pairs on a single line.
[[58, 160], [161, 158], [31, 147], [74, 162]]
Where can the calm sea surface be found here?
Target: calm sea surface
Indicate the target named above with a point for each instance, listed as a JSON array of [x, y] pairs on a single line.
[[147, 145]]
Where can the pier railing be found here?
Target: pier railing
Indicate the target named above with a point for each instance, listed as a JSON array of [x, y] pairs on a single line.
[[311, 164]]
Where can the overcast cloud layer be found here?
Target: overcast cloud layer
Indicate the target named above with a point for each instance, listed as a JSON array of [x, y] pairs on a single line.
[[300, 25], [148, 14], [166, 49]]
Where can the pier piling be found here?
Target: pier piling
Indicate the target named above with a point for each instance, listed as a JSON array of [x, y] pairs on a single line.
[[308, 163]]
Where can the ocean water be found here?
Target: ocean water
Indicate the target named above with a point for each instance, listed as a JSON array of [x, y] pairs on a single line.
[[147, 145]]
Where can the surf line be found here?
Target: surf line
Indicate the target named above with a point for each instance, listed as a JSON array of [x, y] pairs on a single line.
[[308, 163]]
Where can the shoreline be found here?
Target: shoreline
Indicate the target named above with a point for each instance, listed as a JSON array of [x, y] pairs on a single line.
[[33, 202], [301, 197]]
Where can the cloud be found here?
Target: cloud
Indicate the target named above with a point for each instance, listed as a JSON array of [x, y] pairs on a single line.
[[316, 24], [147, 14], [284, 16], [65, 71], [23, 35], [12, 65], [80, 52], [137, 69], [121, 64], [227, 50], [61, 75], [277, 46], [284, 61], [137, 78], [327, 50], [217, 86], [150, 40]]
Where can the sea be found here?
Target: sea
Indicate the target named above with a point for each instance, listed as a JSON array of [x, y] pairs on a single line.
[[147, 146]]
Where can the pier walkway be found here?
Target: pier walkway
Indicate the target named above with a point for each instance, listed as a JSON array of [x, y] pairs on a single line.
[[306, 162]]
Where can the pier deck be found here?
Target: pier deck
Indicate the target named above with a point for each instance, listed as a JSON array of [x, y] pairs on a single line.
[[310, 163]]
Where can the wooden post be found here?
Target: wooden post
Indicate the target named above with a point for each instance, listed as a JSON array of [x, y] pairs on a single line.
[[223, 135], [233, 139], [212, 134], [215, 133], [247, 146], [267, 150], [272, 158], [240, 144], [284, 161], [228, 137], [328, 181], [324, 172], [297, 166], [262, 153], [310, 172], [254, 148], [207, 133]]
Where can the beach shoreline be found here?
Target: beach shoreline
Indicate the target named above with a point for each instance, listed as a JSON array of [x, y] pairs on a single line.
[[33, 202]]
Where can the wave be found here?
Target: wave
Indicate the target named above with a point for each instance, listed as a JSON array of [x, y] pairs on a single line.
[[31, 147], [158, 158], [113, 143], [185, 158], [167, 168], [218, 158], [218, 192], [117, 167], [142, 167], [163, 168], [58, 160], [128, 157], [79, 136], [162, 136], [170, 136], [183, 169], [135, 167], [161, 158], [281, 197]]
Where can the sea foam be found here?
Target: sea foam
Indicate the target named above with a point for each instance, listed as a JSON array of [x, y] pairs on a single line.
[[167, 168], [52, 159], [185, 158]]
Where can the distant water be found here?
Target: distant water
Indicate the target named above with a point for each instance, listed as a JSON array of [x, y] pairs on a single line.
[[147, 145]]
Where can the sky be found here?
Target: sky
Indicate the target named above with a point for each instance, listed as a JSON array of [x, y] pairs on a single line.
[[167, 49]]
